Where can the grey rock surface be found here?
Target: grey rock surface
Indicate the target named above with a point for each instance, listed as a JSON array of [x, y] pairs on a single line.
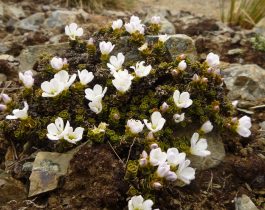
[[244, 203], [31, 23]]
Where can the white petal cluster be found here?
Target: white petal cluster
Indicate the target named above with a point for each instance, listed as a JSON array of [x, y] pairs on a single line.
[[6, 99], [117, 24], [21, 114], [95, 95], [185, 173], [138, 203], [135, 126], [207, 127], [122, 80], [155, 20], [134, 25], [243, 126], [73, 31], [58, 130], [157, 122], [157, 157], [85, 77], [178, 117], [26, 78], [61, 81], [199, 146], [163, 38], [106, 47], [143, 47], [58, 63], [116, 62], [182, 100], [212, 60], [182, 65], [141, 70]]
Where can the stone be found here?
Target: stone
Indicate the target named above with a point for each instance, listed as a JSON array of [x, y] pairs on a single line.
[[14, 11], [245, 82], [60, 18], [237, 51], [7, 57], [31, 23], [29, 56], [47, 169], [244, 203], [11, 189], [1, 9]]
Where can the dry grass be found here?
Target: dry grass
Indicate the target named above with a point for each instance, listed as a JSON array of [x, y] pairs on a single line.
[[245, 13], [98, 5]]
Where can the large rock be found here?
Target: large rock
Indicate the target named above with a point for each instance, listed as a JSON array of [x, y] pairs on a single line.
[[31, 23], [47, 169], [244, 203], [30, 55], [11, 189], [245, 82], [14, 11]]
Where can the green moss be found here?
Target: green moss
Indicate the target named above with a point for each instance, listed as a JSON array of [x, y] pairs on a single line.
[[131, 170]]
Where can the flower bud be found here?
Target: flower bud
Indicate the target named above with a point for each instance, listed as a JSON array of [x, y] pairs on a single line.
[[195, 78], [164, 107], [157, 185], [204, 79], [90, 41], [3, 107], [174, 72], [6, 98], [153, 146], [182, 65], [150, 136]]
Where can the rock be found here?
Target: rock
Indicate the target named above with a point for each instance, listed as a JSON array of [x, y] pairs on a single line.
[[114, 13], [14, 11], [237, 51], [47, 169], [3, 77], [30, 55], [244, 203], [7, 57], [60, 18], [1, 9], [244, 82], [5, 47], [32, 23], [11, 189]]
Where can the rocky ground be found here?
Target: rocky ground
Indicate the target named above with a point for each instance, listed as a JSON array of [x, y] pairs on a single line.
[[27, 30]]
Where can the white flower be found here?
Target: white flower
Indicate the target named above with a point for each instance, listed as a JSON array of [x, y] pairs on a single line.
[[63, 77], [115, 62], [182, 100], [73, 31], [6, 99], [52, 88], [235, 103], [95, 105], [141, 70], [117, 24], [163, 169], [196, 78], [198, 146], [96, 94], [185, 173], [106, 47], [26, 78], [58, 63], [85, 77], [3, 107], [207, 127], [122, 81], [134, 25], [164, 107], [57, 130], [138, 203], [90, 41], [157, 157], [212, 60], [19, 113], [143, 160], [157, 122], [143, 47], [135, 126], [174, 158], [178, 117], [155, 20], [244, 124], [163, 38], [182, 65], [74, 136]]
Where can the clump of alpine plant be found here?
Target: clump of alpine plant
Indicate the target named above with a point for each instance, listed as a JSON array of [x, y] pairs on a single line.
[[139, 105]]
